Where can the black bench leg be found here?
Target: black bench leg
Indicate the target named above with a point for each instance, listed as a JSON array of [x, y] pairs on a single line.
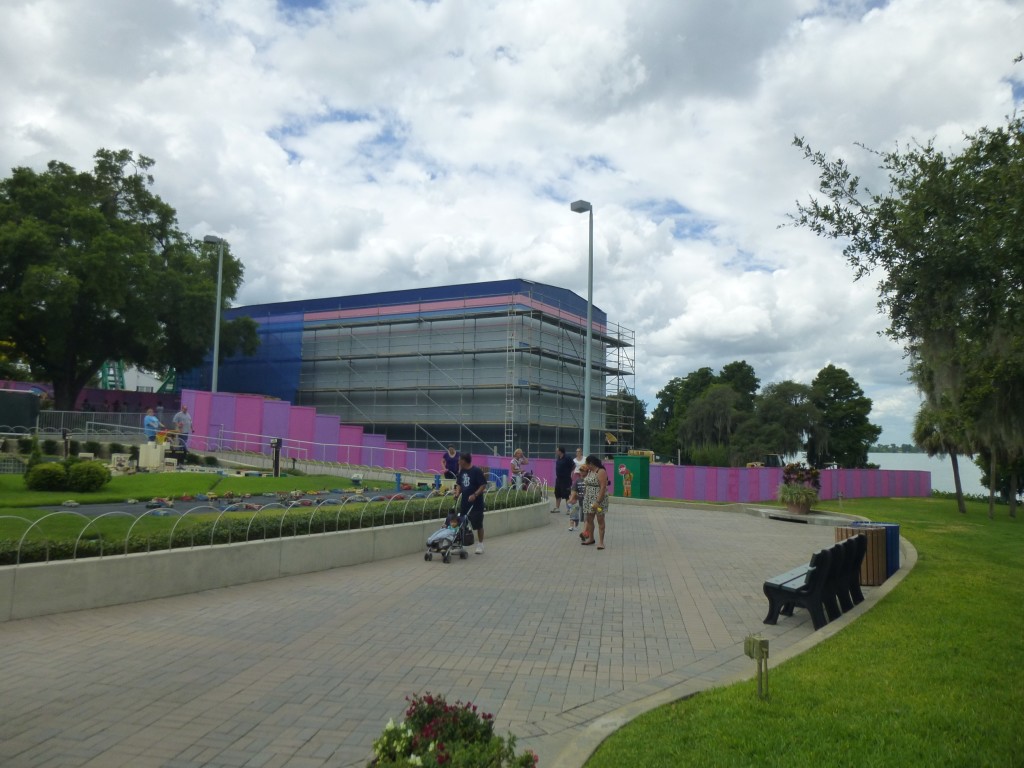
[[831, 603], [773, 610], [855, 592], [817, 615]]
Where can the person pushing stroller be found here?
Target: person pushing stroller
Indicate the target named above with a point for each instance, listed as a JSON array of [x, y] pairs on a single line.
[[470, 486]]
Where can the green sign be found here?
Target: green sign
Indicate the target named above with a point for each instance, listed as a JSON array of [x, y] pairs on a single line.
[[631, 477]]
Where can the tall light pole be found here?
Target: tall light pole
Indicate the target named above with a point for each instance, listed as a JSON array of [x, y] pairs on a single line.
[[582, 206], [219, 242]]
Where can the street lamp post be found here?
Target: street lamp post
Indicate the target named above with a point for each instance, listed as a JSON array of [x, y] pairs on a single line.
[[582, 206], [219, 242]]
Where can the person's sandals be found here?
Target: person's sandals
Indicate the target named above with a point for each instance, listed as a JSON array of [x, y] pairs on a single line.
[[588, 543], [600, 546]]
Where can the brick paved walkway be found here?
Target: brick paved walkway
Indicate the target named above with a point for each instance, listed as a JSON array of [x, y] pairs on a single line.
[[555, 639]]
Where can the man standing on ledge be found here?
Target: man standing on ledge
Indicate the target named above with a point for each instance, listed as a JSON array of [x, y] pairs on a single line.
[[470, 485], [183, 424], [150, 425]]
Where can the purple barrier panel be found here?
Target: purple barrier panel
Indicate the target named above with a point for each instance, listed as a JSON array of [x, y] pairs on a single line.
[[302, 429], [425, 460], [325, 437], [275, 420], [694, 479], [374, 452], [351, 444], [222, 420], [199, 405], [770, 480], [737, 485], [249, 422]]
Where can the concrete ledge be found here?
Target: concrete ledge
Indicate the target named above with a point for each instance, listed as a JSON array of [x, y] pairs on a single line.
[[39, 589]]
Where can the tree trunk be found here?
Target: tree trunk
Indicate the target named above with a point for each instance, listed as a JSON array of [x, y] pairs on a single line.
[[956, 482], [992, 487], [1013, 493]]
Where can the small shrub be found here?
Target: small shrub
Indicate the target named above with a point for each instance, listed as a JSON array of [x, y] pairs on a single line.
[[51, 476], [50, 447], [116, 448], [133, 452], [88, 476], [75, 447], [438, 733], [35, 455], [25, 444], [211, 461], [92, 446]]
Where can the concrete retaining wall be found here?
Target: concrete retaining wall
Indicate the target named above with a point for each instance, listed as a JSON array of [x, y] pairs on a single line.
[[38, 589]]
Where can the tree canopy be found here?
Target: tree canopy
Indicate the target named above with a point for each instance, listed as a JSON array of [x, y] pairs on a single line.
[[947, 240], [728, 419], [93, 267]]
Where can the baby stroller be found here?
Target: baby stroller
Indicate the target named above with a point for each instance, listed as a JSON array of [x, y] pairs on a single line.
[[454, 537]]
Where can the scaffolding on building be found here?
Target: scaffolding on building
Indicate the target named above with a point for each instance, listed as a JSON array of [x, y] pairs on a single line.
[[491, 378]]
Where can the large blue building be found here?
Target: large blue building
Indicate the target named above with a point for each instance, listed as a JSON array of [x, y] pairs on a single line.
[[486, 366]]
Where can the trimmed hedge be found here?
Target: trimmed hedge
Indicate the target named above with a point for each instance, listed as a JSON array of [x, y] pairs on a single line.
[[87, 476], [51, 476], [235, 527]]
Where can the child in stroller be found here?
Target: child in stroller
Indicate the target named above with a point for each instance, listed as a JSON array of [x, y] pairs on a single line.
[[454, 537]]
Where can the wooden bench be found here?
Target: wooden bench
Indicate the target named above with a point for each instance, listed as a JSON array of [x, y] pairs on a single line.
[[827, 587]]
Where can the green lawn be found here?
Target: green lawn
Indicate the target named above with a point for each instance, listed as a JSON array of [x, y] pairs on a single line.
[[168, 484], [931, 676]]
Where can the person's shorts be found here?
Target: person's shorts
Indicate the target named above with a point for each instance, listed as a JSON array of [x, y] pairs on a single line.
[[476, 517], [563, 489]]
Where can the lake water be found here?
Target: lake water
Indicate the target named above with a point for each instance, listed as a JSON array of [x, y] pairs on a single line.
[[941, 469]]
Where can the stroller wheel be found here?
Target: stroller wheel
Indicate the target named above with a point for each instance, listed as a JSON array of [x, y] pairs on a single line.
[[428, 557], [447, 558], [463, 555]]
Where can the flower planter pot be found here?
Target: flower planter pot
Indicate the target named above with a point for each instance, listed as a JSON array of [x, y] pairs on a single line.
[[799, 509]]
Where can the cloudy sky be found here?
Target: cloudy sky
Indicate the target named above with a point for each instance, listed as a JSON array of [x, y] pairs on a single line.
[[348, 146]]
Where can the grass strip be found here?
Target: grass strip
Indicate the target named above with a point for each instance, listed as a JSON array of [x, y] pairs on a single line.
[[933, 675]]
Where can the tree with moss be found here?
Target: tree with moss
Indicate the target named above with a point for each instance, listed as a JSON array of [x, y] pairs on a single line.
[[947, 242]]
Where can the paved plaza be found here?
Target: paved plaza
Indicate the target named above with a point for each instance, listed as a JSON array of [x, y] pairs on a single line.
[[561, 642]]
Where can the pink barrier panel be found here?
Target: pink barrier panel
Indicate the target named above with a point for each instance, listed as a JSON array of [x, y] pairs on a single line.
[[742, 485], [199, 406], [249, 417], [350, 440]]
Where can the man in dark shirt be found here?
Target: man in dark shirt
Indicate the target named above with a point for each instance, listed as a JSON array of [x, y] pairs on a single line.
[[564, 466], [470, 485]]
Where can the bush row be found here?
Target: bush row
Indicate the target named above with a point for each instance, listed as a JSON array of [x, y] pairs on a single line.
[[246, 526], [68, 475]]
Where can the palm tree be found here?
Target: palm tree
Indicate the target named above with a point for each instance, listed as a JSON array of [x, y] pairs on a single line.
[[939, 433]]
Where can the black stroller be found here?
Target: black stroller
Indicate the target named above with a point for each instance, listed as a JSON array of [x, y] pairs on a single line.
[[454, 537]]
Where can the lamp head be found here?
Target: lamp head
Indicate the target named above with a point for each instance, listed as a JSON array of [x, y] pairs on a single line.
[[581, 206], [214, 240]]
